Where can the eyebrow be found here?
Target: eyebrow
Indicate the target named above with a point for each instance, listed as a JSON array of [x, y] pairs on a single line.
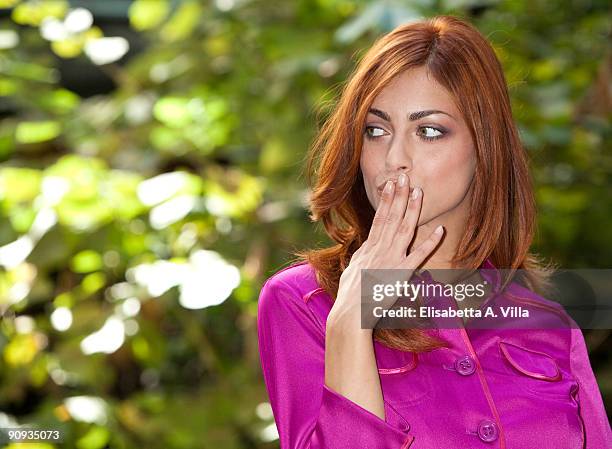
[[412, 117]]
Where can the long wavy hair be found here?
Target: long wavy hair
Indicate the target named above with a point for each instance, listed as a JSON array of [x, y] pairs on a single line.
[[463, 61]]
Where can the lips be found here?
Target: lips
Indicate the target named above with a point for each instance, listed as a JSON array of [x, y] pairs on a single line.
[[382, 186]]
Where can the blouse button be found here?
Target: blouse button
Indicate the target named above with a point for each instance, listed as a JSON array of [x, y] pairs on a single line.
[[487, 431], [465, 365]]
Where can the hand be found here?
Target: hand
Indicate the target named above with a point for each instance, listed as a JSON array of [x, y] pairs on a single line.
[[391, 233]]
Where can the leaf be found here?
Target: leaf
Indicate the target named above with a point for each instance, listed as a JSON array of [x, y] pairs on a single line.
[[61, 101], [19, 184], [86, 261], [355, 27], [96, 438], [34, 12], [173, 111], [183, 22], [147, 14], [21, 350], [34, 132]]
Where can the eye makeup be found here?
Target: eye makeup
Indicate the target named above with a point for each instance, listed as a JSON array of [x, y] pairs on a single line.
[[442, 132]]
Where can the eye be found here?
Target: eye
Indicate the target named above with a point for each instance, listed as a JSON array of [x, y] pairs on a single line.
[[376, 132], [431, 134]]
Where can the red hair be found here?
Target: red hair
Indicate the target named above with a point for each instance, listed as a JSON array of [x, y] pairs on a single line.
[[462, 60]]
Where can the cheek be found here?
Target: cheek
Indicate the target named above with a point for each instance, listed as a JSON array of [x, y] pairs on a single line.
[[448, 178], [455, 170], [367, 160], [370, 168]]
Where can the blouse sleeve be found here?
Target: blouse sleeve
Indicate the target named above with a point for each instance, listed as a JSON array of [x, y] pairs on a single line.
[[308, 414], [592, 412]]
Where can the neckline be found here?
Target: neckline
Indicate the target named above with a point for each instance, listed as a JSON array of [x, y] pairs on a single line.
[[487, 270], [489, 273]]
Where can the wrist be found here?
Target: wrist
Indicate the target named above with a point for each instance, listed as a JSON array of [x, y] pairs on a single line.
[[346, 324]]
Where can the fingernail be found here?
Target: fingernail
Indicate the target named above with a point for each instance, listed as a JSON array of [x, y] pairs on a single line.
[[415, 193], [389, 186], [438, 230], [402, 180]]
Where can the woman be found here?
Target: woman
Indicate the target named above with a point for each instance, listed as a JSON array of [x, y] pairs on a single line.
[[420, 167]]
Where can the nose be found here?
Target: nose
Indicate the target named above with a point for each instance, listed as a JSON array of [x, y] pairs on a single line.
[[399, 158]]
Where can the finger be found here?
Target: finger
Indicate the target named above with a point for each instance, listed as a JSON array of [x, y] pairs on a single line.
[[380, 217], [405, 232], [416, 257], [396, 212]]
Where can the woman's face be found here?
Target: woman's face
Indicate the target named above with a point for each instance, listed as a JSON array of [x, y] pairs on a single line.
[[435, 149]]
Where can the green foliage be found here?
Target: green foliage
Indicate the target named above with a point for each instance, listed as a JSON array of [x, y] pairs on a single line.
[[138, 224]]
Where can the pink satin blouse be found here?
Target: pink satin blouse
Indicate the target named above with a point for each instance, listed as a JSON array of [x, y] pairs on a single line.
[[493, 388]]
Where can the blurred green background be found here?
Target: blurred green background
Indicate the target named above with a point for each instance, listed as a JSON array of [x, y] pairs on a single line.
[[151, 158]]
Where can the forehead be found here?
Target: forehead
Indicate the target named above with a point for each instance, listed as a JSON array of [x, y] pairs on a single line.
[[413, 90]]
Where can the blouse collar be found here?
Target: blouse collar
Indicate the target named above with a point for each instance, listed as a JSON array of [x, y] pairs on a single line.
[[487, 270]]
